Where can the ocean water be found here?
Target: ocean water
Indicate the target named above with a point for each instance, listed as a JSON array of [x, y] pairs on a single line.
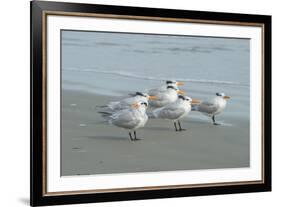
[[116, 64]]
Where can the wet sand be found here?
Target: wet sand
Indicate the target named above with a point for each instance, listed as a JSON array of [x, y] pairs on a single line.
[[91, 146]]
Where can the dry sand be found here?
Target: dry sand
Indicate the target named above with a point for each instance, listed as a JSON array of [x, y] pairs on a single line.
[[91, 146]]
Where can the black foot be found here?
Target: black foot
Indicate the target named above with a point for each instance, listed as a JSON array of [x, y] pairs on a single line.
[[137, 139], [216, 124], [180, 129], [175, 124], [214, 121], [131, 138]]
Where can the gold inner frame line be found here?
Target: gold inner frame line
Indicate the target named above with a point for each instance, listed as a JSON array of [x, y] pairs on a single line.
[[114, 16]]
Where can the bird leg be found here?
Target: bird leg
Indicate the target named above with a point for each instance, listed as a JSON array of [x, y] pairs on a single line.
[[180, 129], [214, 121], [175, 124], [131, 138], [135, 134]]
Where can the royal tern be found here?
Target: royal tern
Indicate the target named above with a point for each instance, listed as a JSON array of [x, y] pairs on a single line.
[[212, 107], [174, 111], [168, 96], [163, 88], [127, 102], [130, 118]]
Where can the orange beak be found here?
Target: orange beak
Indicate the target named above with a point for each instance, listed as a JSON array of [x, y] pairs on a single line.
[[195, 101], [181, 92], [152, 97], [135, 105], [180, 83], [226, 97]]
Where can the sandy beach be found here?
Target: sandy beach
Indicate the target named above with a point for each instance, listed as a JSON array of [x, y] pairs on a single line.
[[91, 146]]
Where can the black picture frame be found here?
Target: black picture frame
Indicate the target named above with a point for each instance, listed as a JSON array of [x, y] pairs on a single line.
[[38, 105]]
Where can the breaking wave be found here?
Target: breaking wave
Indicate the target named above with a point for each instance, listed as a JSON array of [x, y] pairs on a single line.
[[134, 76]]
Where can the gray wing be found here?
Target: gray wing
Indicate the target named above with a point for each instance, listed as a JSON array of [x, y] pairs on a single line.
[[125, 119], [207, 107], [156, 91], [162, 100], [153, 92], [170, 112]]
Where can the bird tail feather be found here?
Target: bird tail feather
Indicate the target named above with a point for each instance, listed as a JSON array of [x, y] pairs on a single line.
[[101, 106], [105, 114]]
